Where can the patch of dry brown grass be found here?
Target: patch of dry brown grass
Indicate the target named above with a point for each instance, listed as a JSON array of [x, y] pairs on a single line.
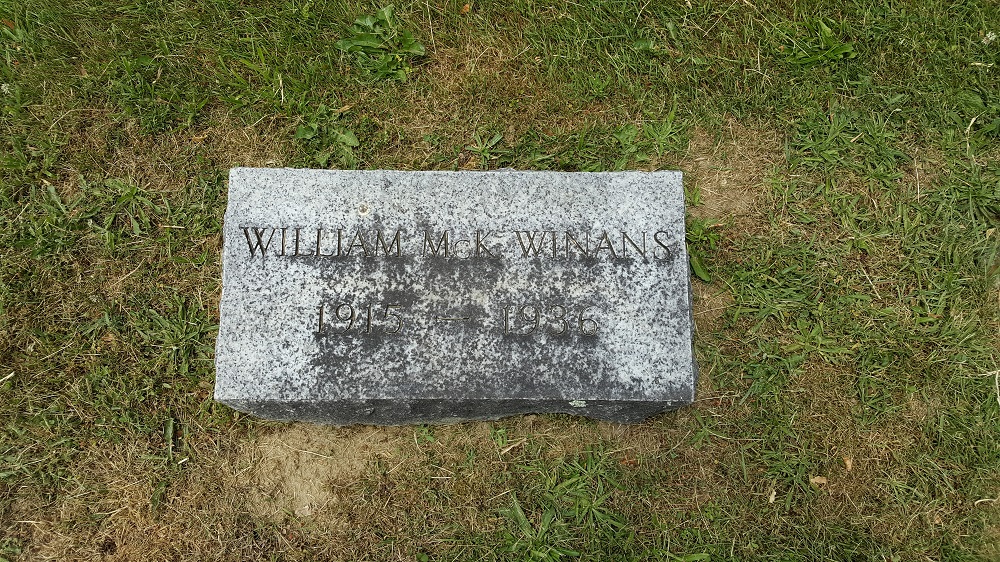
[[487, 85], [730, 169], [295, 471]]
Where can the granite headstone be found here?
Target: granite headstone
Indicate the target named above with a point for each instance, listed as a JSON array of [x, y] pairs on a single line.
[[394, 297]]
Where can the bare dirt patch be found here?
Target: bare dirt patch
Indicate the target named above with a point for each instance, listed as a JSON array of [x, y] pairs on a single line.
[[294, 471], [729, 169]]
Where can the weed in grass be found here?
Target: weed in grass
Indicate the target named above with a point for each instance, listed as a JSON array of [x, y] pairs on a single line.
[[178, 336], [485, 149], [983, 106], [143, 93], [543, 540], [381, 47], [576, 495], [770, 372], [818, 43], [666, 134], [328, 141], [629, 151], [10, 548], [702, 240], [846, 139], [119, 209]]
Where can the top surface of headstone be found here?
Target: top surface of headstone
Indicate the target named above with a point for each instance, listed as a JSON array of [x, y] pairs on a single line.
[[361, 285]]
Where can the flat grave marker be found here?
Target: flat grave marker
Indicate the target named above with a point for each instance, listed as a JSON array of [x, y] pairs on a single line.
[[393, 297]]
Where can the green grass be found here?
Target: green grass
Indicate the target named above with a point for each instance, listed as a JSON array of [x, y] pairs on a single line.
[[858, 337]]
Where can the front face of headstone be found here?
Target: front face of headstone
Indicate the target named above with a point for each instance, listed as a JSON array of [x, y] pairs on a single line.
[[390, 297]]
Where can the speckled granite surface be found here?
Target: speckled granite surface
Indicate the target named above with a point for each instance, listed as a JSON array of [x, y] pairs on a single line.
[[389, 297]]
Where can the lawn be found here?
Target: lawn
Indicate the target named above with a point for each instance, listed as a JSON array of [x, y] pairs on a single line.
[[842, 171]]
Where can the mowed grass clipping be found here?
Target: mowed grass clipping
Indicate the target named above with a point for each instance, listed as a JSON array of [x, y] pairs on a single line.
[[841, 167]]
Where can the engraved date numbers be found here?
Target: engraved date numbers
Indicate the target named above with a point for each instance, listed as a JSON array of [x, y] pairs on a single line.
[[554, 319], [343, 317]]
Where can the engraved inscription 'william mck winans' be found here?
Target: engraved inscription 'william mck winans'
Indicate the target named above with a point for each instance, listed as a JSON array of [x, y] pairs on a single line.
[[401, 297], [343, 243]]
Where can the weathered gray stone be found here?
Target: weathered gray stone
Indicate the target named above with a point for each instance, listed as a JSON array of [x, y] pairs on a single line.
[[429, 284]]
